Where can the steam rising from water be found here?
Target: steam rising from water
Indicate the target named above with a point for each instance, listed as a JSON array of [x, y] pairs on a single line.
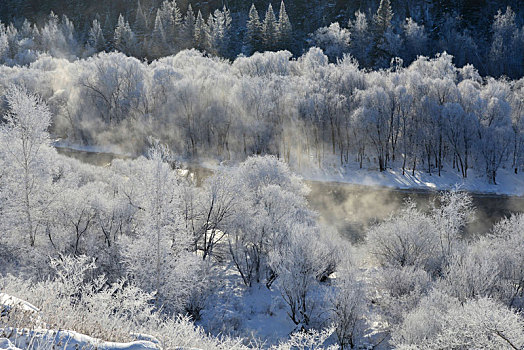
[[352, 209]]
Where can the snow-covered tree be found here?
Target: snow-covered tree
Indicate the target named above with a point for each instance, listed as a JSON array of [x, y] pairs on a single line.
[[270, 29], [517, 118], [188, 28], [253, 36], [441, 321], [361, 38], [124, 38], [141, 26], [302, 257], [217, 205], [4, 44], [158, 44], [285, 29], [333, 40], [57, 37], [400, 290], [171, 18], [373, 115], [506, 53], [409, 239], [415, 40], [459, 43], [219, 27], [383, 17], [158, 256], [382, 31], [28, 169], [494, 127], [96, 40], [200, 38], [274, 198], [348, 305]]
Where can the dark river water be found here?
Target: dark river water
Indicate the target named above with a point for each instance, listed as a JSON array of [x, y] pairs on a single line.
[[352, 209]]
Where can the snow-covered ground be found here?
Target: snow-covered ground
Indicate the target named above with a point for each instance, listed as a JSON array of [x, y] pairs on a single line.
[[64, 339], [8, 302], [508, 183], [42, 338], [5, 344], [256, 312]]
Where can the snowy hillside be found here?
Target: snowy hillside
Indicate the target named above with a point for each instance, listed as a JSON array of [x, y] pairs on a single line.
[[160, 164]]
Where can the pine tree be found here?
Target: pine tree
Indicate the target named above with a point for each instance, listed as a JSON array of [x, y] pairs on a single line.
[[226, 30], [68, 31], [124, 38], [118, 36], [285, 30], [26, 31], [177, 16], [96, 38], [200, 32], [269, 29], [171, 18], [49, 35], [141, 26], [158, 45], [506, 51], [219, 25], [253, 36], [13, 37], [4, 44], [383, 17], [108, 25], [361, 40], [381, 26], [188, 28], [165, 15]]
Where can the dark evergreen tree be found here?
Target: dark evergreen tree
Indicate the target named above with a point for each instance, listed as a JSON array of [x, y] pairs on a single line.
[[285, 30], [158, 44], [507, 45], [141, 25], [253, 35], [188, 28], [270, 30], [219, 25], [381, 29], [124, 38], [361, 38], [200, 32], [96, 40]]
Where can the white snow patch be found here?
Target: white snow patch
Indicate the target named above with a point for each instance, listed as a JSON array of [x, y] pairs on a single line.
[[69, 340], [508, 183], [110, 149], [8, 302], [5, 344]]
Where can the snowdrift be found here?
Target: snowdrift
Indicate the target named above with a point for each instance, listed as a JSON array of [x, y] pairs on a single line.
[[41, 338]]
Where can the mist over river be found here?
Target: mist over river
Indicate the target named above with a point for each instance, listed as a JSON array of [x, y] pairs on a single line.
[[352, 209]]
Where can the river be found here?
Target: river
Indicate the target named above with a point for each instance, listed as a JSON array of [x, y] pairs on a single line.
[[351, 209]]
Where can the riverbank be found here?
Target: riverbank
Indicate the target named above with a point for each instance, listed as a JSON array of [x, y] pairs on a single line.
[[508, 183]]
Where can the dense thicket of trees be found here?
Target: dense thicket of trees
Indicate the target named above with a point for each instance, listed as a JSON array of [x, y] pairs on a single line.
[[132, 246], [489, 35], [146, 221], [123, 248], [430, 116]]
